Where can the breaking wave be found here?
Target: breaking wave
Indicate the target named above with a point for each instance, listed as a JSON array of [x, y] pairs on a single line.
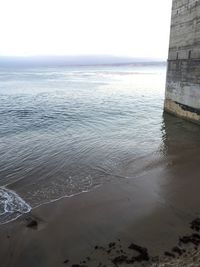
[[11, 205]]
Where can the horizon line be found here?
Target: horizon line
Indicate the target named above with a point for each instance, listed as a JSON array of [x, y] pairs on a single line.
[[84, 55]]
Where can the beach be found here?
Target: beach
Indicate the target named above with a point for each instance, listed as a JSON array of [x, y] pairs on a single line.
[[98, 227]]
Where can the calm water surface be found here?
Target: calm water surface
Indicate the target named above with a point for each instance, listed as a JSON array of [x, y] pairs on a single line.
[[67, 130]]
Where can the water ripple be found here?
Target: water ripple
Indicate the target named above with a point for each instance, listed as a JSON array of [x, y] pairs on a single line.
[[64, 131]]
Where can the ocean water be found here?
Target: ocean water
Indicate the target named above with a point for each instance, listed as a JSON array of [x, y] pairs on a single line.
[[68, 130]]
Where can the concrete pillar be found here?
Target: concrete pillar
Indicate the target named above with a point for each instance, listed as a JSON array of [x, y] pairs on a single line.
[[182, 96]]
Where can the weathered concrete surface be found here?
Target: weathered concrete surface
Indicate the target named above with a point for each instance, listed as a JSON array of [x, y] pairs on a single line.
[[183, 75]]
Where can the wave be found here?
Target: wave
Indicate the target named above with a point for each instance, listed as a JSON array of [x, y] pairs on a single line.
[[11, 205]]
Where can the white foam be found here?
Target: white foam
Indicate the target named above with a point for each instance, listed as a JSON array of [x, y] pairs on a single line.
[[11, 205]]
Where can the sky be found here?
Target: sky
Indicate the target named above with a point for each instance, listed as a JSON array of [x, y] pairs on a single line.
[[133, 28]]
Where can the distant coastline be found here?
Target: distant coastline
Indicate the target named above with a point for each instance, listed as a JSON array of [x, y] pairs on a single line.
[[62, 61]]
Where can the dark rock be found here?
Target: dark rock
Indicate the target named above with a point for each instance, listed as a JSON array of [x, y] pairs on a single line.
[[120, 259], [143, 253], [195, 225], [178, 250], [142, 257], [66, 261], [137, 248], [169, 254], [111, 245], [32, 224], [194, 239]]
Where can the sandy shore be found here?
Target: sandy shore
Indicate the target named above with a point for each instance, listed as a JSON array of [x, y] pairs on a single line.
[[99, 228]]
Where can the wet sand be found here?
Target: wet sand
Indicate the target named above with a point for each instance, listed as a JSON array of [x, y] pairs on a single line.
[[92, 229]]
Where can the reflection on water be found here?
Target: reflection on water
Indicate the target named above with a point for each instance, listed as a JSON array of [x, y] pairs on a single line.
[[179, 135], [181, 141]]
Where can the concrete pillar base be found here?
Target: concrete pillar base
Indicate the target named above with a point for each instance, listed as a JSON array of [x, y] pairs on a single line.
[[182, 111]]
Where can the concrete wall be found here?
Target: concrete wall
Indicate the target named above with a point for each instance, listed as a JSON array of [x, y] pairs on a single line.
[[183, 74]]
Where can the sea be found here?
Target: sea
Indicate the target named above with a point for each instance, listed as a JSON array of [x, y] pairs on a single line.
[[68, 130]]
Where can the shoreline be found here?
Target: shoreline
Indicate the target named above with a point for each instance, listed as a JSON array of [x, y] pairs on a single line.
[[96, 227]]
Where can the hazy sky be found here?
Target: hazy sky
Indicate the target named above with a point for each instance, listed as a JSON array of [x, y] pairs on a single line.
[[138, 28]]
